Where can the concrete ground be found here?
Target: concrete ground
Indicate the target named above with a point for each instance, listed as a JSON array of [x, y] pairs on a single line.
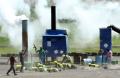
[[80, 72]]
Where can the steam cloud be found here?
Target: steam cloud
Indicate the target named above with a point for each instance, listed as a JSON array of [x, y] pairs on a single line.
[[90, 15]]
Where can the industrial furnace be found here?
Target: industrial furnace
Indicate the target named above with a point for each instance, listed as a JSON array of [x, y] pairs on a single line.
[[55, 41]]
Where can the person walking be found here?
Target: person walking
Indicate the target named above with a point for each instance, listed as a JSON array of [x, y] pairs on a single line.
[[12, 61]]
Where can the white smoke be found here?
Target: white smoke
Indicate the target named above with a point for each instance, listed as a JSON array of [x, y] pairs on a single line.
[[44, 15], [94, 17], [90, 15], [6, 12], [11, 23]]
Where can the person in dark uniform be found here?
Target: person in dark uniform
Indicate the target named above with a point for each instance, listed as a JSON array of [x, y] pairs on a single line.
[[12, 61], [21, 56]]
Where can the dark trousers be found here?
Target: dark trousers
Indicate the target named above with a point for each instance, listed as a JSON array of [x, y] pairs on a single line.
[[22, 65], [11, 68]]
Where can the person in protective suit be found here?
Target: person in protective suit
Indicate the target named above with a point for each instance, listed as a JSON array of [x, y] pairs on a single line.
[[42, 55]]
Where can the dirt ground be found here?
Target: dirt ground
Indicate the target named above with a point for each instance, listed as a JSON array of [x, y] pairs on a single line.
[[81, 72]]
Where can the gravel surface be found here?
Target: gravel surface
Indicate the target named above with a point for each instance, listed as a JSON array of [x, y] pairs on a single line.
[[80, 72], [113, 71]]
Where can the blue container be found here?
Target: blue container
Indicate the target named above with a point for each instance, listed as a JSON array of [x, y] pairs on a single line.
[[105, 39], [101, 59], [55, 42]]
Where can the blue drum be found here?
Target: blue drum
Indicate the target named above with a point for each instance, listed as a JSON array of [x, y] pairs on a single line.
[[101, 59]]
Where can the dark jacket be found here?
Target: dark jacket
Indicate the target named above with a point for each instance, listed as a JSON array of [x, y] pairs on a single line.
[[21, 55], [12, 60]]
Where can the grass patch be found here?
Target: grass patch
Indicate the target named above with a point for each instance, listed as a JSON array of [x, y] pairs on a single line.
[[4, 41], [8, 50], [95, 47], [5, 47]]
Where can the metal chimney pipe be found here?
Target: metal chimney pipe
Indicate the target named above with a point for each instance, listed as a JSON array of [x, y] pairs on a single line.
[[53, 16], [25, 38]]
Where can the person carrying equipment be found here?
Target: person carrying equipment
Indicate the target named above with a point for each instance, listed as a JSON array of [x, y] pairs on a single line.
[[21, 56], [41, 53]]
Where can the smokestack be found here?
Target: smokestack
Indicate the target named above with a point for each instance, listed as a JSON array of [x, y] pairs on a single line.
[[25, 38], [53, 16]]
